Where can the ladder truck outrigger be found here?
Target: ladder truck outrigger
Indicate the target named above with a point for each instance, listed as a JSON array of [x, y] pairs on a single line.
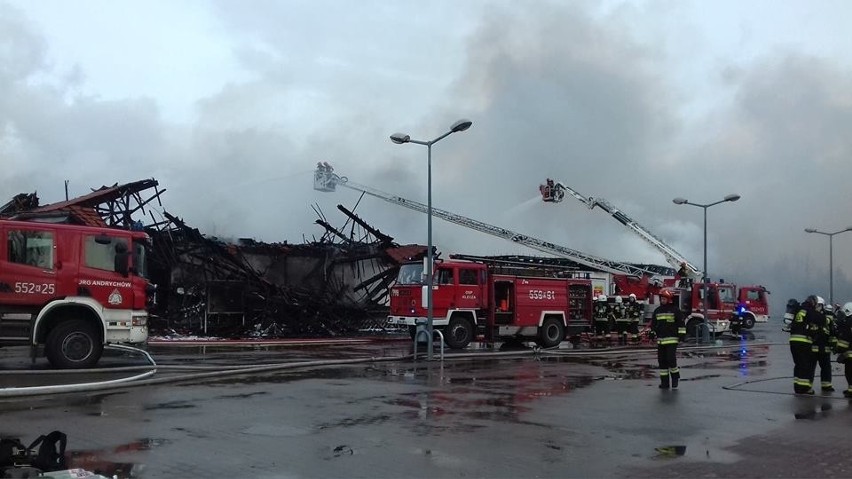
[[548, 309], [748, 304]]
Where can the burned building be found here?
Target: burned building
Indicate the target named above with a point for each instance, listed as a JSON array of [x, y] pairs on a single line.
[[333, 285]]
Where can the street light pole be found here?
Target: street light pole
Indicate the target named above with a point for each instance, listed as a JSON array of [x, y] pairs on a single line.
[[681, 201], [830, 257], [400, 138]]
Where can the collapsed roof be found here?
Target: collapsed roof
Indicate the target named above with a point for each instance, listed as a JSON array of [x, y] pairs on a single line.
[[335, 285]]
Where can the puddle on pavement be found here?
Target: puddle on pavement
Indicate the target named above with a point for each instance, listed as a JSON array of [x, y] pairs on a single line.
[[171, 405]]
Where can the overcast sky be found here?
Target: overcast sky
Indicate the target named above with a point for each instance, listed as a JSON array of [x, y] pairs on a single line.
[[229, 105]]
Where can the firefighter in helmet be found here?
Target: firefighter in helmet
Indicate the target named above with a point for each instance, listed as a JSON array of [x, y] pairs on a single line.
[[844, 340], [622, 321], [633, 311], [601, 315], [824, 337], [668, 327], [682, 276], [803, 329]]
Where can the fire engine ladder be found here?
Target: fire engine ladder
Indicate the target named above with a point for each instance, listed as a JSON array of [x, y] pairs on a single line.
[[326, 180], [554, 192]]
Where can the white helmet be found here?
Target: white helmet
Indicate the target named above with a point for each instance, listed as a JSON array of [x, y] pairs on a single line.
[[632, 296], [847, 309], [820, 300], [829, 308], [618, 299], [602, 298]]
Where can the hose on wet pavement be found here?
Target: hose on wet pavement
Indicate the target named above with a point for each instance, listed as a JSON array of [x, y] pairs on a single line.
[[213, 372], [145, 380]]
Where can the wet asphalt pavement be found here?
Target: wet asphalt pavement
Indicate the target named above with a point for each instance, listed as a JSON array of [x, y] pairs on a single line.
[[564, 413]]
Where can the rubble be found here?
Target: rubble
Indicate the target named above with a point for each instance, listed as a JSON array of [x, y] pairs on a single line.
[[336, 285]]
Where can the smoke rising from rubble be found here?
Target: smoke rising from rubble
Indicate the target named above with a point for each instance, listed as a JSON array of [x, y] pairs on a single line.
[[592, 97]]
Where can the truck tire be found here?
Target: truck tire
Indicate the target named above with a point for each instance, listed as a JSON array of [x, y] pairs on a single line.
[[73, 345], [459, 333], [551, 333], [748, 321]]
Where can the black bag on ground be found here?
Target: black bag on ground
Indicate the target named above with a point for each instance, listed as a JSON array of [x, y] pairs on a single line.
[[50, 455], [12, 452]]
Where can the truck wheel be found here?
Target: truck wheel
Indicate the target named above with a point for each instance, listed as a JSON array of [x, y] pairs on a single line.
[[459, 333], [73, 345], [550, 333], [748, 321]]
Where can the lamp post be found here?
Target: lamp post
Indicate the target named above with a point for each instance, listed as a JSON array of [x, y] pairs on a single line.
[[830, 257], [400, 138], [681, 201]]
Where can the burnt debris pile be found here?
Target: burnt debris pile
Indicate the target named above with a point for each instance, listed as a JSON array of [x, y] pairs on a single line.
[[334, 285]]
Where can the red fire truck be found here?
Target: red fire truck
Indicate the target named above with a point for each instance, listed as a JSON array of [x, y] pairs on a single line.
[[72, 289], [724, 301], [469, 298]]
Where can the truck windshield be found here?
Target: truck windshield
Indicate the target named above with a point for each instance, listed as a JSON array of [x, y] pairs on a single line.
[[726, 294], [410, 274], [140, 258]]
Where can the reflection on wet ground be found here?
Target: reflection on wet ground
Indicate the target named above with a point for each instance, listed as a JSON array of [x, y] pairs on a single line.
[[107, 462], [426, 400]]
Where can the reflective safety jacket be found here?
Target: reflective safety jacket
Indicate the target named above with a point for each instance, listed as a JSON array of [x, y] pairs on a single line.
[[826, 335], [806, 324], [618, 313], [601, 311], [844, 337], [634, 310], [667, 324]]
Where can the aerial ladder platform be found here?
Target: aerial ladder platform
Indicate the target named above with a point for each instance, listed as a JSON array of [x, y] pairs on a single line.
[[326, 180], [554, 192]]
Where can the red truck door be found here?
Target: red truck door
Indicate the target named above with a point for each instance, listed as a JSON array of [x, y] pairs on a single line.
[[443, 291], [754, 299], [99, 272], [27, 265], [470, 293]]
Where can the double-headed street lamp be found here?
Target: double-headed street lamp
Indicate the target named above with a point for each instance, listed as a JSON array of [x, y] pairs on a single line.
[[682, 201], [830, 258], [400, 138]]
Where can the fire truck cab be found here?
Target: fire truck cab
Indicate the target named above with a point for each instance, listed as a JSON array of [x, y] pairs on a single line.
[[72, 289]]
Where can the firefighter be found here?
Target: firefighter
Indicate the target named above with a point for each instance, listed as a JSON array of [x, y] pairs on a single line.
[[793, 307], [821, 348], [668, 327], [622, 321], [844, 339], [601, 315], [612, 311], [633, 311], [802, 332], [682, 276]]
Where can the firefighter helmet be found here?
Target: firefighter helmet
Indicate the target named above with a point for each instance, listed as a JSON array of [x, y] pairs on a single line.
[[829, 308], [666, 294], [632, 296], [847, 309], [618, 299], [820, 300], [602, 298]]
